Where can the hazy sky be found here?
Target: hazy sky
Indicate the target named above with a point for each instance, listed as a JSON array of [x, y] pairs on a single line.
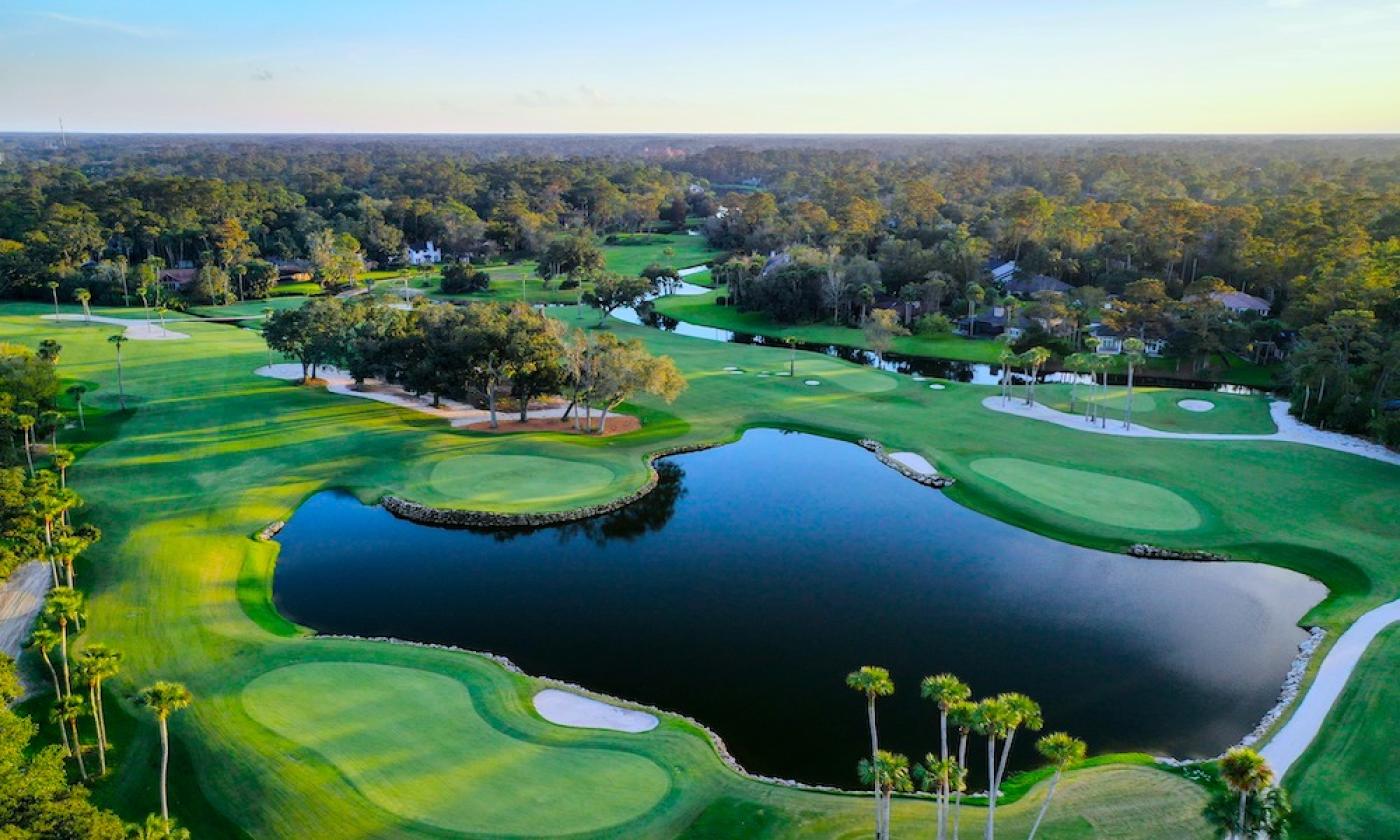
[[864, 66]]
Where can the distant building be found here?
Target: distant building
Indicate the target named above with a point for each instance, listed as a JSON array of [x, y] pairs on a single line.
[[991, 322], [427, 255], [1024, 285], [1001, 270], [1240, 303], [176, 279], [1111, 341]]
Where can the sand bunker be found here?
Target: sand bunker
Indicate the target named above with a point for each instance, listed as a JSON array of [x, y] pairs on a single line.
[[915, 462], [568, 709], [1196, 405]]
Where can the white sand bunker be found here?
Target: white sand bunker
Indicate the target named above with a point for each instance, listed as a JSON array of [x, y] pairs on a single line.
[[730, 367], [917, 378], [937, 386], [812, 382], [915, 462], [1196, 405], [568, 709], [136, 330]]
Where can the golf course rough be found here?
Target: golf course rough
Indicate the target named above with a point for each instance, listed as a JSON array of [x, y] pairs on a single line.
[[1106, 499], [414, 744]]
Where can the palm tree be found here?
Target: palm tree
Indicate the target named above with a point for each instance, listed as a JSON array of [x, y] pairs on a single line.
[[1132, 353], [76, 392], [62, 605], [62, 459], [83, 296], [51, 420], [992, 720], [143, 290], [944, 690], [66, 711], [44, 639], [156, 828], [1025, 713], [791, 342], [1062, 751], [873, 682], [887, 772], [164, 699], [99, 663], [117, 341], [962, 715], [1245, 772], [26, 425], [53, 290], [1006, 358], [936, 774], [1034, 358]]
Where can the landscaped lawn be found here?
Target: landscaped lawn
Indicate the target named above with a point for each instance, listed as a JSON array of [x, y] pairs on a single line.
[[211, 454]]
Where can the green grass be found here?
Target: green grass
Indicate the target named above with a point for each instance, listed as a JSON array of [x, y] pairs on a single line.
[[1346, 784], [461, 774], [686, 251], [211, 454], [1099, 498], [1158, 408], [702, 309]]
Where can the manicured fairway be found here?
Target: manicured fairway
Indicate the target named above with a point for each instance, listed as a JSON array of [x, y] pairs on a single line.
[[211, 454], [1119, 502], [415, 745]]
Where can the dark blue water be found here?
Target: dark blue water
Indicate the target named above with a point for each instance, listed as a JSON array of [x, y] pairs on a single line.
[[744, 589]]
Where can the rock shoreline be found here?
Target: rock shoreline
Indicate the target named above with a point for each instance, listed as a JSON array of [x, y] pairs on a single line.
[[1158, 553], [1292, 684], [461, 518], [937, 482], [271, 531]]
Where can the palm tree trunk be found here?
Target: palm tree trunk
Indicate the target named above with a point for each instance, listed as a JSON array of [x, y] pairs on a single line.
[[957, 797], [1044, 806], [164, 767], [82, 421], [990, 830], [1243, 832], [97, 727], [1128, 413], [121, 386], [1005, 754], [78, 748], [63, 638], [491, 403], [874, 756]]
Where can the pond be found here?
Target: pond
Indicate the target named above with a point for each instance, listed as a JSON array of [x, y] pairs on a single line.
[[758, 574]]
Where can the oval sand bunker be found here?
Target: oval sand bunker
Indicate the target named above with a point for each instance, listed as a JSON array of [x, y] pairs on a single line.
[[1196, 405], [568, 709]]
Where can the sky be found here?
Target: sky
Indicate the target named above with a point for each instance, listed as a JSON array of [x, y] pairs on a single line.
[[707, 66]]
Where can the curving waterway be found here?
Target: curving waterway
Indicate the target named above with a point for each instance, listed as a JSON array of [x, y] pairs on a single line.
[[758, 574]]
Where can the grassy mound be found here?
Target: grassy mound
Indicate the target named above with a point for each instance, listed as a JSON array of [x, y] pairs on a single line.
[[1120, 502], [414, 744]]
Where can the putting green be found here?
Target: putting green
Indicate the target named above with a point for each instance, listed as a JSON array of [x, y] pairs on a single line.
[[1120, 502], [1118, 398], [862, 380], [414, 744], [485, 480]]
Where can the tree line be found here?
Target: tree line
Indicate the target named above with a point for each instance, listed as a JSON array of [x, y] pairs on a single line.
[[479, 352], [39, 797]]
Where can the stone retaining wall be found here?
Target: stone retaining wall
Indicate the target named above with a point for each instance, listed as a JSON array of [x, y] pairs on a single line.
[[458, 518], [271, 531]]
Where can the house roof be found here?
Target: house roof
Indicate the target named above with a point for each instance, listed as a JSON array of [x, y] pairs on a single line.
[[177, 276], [1023, 285], [1240, 300]]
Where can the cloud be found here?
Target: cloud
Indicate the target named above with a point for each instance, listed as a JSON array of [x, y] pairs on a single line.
[[262, 75], [538, 98], [107, 25]]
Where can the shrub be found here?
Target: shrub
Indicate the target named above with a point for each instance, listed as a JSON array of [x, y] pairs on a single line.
[[936, 324], [461, 278], [568, 283]]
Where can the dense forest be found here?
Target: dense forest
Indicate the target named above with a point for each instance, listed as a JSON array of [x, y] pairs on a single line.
[[1141, 233]]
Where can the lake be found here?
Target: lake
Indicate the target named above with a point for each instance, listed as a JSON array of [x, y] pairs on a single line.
[[744, 588]]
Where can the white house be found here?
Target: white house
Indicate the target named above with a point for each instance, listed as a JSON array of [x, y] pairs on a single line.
[[428, 256], [1240, 303], [1111, 343]]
